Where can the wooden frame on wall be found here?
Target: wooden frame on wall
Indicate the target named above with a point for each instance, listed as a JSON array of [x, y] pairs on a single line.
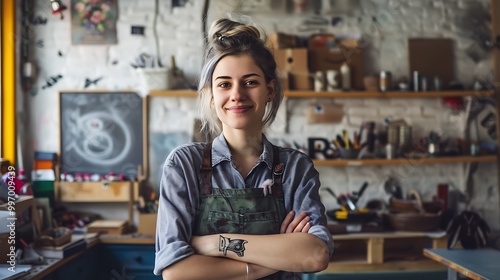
[[94, 22], [102, 132]]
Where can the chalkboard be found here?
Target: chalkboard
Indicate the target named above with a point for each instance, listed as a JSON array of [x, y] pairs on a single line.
[[101, 132]]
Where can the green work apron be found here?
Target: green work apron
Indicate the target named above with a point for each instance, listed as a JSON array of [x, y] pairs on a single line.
[[244, 211]]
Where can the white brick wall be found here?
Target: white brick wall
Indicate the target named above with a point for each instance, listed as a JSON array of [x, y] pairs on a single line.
[[180, 34]]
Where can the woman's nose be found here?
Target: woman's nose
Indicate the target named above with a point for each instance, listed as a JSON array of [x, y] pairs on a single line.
[[238, 93]]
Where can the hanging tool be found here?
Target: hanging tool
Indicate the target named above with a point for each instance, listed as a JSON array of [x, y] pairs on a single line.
[[393, 188]]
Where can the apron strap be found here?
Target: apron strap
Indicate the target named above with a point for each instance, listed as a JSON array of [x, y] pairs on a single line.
[[206, 170], [277, 172]]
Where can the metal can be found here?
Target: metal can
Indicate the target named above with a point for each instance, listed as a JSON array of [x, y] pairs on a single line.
[[424, 84], [384, 81], [473, 149], [416, 81], [437, 83], [389, 151]]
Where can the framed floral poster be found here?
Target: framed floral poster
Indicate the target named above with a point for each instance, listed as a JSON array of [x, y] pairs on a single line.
[[93, 21]]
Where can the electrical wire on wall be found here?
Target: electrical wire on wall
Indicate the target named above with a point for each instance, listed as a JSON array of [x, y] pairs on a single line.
[[155, 33], [27, 73], [26, 70]]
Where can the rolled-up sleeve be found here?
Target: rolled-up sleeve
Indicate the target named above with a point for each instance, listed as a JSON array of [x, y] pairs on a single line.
[[304, 183], [178, 198]]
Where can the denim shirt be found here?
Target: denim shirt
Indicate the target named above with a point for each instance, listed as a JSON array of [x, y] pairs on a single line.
[[180, 193]]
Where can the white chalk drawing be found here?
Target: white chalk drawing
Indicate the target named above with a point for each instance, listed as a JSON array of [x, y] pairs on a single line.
[[101, 132], [97, 144]]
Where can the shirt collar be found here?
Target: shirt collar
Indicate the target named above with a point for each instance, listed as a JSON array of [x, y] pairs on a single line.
[[221, 152]]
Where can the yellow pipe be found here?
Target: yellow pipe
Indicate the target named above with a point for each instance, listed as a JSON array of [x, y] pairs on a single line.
[[8, 148]]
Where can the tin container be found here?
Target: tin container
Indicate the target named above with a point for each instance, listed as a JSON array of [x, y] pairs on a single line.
[[384, 81], [404, 139], [389, 151], [424, 83], [416, 81], [437, 83], [393, 135]]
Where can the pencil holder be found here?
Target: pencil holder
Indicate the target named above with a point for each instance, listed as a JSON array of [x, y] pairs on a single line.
[[349, 153]]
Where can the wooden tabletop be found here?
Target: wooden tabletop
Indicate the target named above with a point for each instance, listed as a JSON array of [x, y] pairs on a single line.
[[478, 264]]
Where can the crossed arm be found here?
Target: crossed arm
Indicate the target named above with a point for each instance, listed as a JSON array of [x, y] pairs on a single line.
[[265, 254]]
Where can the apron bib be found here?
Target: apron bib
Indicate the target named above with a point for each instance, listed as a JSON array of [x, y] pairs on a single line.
[[244, 211]]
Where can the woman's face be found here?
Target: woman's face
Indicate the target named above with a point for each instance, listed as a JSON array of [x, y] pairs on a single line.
[[240, 93]]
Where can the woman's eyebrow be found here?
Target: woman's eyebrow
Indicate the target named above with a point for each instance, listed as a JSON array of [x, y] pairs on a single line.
[[244, 76]]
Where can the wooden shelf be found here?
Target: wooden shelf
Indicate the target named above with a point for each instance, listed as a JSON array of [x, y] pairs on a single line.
[[403, 161], [384, 251], [349, 94], [389, 94], [174, 93]]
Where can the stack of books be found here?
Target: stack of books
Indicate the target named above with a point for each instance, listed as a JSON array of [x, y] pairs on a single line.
[[43, 175], [76, 245]]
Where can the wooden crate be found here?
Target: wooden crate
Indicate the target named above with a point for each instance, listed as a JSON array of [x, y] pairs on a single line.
[[96, 191], [387, 251], [121, 191]]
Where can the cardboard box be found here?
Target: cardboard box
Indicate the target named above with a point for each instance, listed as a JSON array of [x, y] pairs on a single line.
[[281, 41], [293, 63], [147, 223], [322, 59]]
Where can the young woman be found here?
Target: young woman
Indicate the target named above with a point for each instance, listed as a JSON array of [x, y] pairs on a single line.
[[239, 207]]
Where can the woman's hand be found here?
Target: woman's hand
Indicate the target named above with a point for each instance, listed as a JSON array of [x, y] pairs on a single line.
[[299, 224]]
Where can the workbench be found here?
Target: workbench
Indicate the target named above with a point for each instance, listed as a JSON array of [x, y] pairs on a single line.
[[478, 264]]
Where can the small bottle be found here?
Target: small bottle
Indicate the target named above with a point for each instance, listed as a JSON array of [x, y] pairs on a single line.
[[424, 83], [389, 151], [345, 72], [86, 177], [78, 177], [384, 81], [416, 81], [319, 81], [111, 176], [69, 177], [331, 80], [437, 83], [473, 149], [95, 177]]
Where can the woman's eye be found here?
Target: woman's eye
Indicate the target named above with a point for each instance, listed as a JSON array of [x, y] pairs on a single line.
[[249, 83], [223, 85]]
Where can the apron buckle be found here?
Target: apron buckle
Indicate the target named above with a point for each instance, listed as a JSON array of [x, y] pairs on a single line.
[[278, 169]]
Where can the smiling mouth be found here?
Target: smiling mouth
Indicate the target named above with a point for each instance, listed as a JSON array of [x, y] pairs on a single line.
[[238, 109]]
